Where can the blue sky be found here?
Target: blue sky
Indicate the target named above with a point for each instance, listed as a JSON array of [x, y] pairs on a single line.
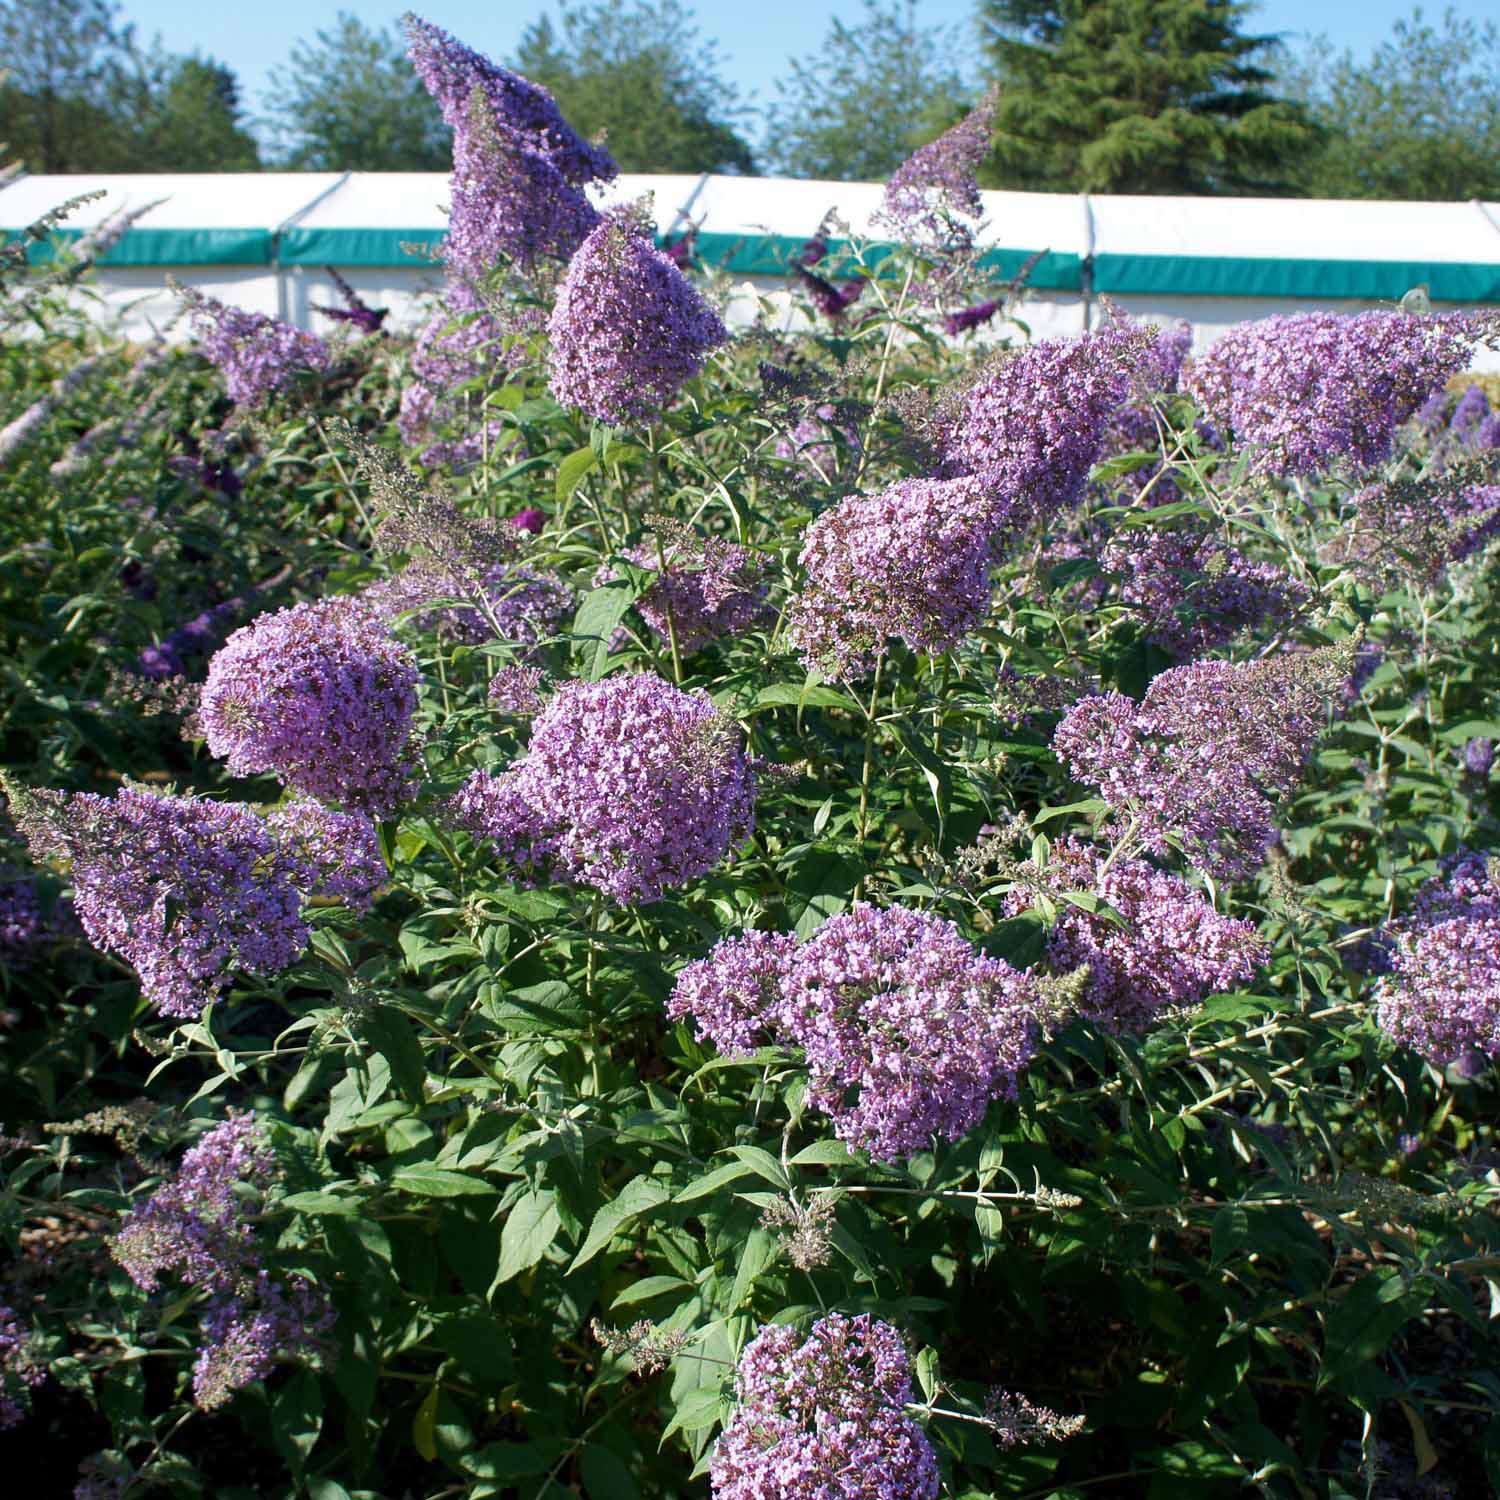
[[755, 36]]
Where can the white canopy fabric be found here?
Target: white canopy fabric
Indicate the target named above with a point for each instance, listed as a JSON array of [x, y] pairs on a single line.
[[261, 239]]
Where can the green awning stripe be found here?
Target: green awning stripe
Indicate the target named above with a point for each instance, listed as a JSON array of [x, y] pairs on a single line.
[[739, 254], [168, 247], [1248, 276], [774, 255], [355, 247]]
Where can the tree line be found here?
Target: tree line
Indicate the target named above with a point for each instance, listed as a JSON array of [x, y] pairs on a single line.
[[1125, 96]]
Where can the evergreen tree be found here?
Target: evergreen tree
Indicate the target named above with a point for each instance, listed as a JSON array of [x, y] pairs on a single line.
[[1138, 96], [1420, 119], [875, 91], [190, 120], [638, 71], [349, 100]]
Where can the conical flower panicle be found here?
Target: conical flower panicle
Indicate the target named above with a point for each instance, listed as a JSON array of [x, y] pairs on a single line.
[[627, 328]]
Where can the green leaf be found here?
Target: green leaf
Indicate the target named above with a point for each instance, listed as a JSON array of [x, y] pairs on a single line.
[[711, 1182], [530, 1228], [639, 1196], [647, 1288], [1362, 1323], [605, 1476], [598, 616], [424, 1422], [763, 1164], [297, 1418], [824, 1154], [927, 1365], [573, 470], [759, 1251], [530, 906], [391, 1034], [512, 1460], [479, 1344], [438, 1182], [820, 885]]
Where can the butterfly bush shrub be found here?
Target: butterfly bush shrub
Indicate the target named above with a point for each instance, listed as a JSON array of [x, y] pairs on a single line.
[[867, 906]]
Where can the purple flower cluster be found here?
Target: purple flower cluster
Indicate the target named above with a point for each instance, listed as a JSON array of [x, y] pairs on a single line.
[[1473, 423], [966, 319], [708, 589], [1194, 592], [518, 166], [320, 695], [831, 300], [1309, 389], [627, 327], [355, 310], [1479, 756], [510, 602], [1209, 751], [516, 689], [1174, 949], [462, 342], [812, 442], [24, 927], [256, 355], [196, 1225], [20, 1371], [331, 854], [1415, 529], [1442, 996], [825, 1417], [908, 1032], [174, 653], [629, 785], [1035, 422], [1159, 373], [932, 199], [188, 891], [912, 561]]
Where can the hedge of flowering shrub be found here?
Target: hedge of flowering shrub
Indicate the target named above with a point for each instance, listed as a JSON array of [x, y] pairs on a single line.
[[595, 907]]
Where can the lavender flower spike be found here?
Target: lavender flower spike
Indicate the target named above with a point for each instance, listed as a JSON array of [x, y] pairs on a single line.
[[627, 328], [256, 355], [932, 199]]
